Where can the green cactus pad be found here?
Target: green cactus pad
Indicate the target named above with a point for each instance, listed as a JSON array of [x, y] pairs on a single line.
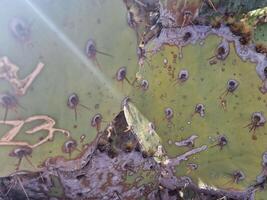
[[59, 42]]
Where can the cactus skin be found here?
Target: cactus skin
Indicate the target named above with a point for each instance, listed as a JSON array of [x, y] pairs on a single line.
[[67, 70], [225, 115]]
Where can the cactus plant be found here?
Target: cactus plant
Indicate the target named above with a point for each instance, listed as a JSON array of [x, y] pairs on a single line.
[[197, 95], [210, 74]]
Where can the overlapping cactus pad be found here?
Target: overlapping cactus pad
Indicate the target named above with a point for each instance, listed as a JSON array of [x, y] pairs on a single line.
[[207, 88], [223, 115]]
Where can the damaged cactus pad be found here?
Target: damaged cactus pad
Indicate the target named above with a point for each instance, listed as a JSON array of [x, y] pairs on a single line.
[[134, 98]]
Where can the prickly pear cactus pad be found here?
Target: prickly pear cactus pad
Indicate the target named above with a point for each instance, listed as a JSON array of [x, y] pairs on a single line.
[[62, 77], [207, 83], [109, 99]]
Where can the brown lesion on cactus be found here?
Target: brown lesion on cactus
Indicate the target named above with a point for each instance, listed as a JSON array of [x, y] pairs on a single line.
[[9, 72], [149, 153], [47, 125], [216, 22], [129, 146], [112, 152], [261, 48], [241, 29]]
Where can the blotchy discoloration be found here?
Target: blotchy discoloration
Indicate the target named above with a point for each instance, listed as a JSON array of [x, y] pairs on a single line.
[[112, 173]]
